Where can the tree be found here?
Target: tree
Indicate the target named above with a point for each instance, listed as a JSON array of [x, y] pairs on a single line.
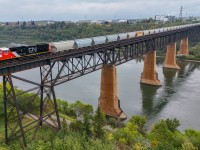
[[188, 146], [140, 121], [32, 23], [86, 126], [172, 124], [64, 107], [98, 123], [76, 126], [87, 112], [106, 22], [78, 108], [1, 108], [87, 109], [24, 23], [193, 136], [165, 134], [128, 135]]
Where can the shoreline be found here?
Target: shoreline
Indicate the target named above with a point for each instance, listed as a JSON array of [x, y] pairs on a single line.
[[190, 60]]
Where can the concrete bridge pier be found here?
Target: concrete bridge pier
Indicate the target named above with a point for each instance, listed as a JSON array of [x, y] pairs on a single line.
[[108, 100], [170, 58], [184, 46], [149, 74]]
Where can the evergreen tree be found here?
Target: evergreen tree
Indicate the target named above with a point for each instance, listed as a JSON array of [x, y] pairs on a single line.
[[86, 126], [98, 123]]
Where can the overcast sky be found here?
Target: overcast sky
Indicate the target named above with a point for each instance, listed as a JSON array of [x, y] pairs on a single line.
[[14, 10]]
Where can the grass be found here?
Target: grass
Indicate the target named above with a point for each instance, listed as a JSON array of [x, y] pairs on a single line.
[[67, 117], [3, 146]]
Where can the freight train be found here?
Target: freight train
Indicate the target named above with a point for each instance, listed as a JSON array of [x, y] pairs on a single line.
[[13, 52]]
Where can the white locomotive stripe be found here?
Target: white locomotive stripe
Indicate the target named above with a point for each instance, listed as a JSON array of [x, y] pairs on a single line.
[[17, 55]]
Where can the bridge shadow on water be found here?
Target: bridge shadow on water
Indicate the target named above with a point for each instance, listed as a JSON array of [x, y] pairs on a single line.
[[155, 99]]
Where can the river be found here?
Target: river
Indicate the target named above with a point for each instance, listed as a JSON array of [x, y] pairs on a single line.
[[178, 97]]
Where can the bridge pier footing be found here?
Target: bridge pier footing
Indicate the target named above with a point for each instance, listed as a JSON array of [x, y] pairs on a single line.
[[184, 47], [108, 100], [170, 58], [149, 74]]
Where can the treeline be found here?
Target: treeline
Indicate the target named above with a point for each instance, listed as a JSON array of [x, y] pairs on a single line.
[[69, 31]]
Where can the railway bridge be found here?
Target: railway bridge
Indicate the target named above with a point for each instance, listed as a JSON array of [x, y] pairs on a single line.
[[60, 67]]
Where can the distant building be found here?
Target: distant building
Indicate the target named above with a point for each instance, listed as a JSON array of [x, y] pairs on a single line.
[[133, 21], [122, 21], [109, 21], [197, 18], [119, 21], [97, 21], [2, 24], [84, 21], [67, 22], [163, 18], [74, 21], [44, 22], [11, 23], [171, 18], [29, 23], [50, 22]]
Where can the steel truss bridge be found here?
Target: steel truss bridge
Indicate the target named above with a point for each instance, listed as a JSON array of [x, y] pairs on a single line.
[[24, 112]]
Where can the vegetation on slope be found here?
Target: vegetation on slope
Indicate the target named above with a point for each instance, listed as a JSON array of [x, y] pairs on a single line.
[[91, 130]]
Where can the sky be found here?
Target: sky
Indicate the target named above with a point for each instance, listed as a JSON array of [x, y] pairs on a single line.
[[26, 10]]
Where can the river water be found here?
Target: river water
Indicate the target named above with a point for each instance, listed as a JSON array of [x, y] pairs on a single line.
[[178, 97]]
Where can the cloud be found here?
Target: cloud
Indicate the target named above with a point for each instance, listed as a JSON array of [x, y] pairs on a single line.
[[98, 9]]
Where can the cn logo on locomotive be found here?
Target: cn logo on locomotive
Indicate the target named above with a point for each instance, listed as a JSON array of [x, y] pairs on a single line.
[[32, 50]]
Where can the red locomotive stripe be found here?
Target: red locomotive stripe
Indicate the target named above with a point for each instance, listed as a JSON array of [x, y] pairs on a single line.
[[8, 55], [13, 55]]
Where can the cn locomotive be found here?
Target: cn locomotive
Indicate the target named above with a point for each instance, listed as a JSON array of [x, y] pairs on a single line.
[[13, 52]]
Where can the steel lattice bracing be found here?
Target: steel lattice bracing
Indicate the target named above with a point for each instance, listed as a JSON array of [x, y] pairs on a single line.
[[71, 67], [12, 114], [57, 68], [25, 112]]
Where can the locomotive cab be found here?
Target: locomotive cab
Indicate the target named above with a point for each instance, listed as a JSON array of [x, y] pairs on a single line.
[[5, 53]]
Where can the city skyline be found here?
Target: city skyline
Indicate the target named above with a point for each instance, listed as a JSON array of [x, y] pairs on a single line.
[[58, 10]]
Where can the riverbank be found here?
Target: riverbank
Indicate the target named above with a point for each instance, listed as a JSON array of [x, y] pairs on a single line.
[[93, 132], [185, 58], [83, 128], [197, 61]]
